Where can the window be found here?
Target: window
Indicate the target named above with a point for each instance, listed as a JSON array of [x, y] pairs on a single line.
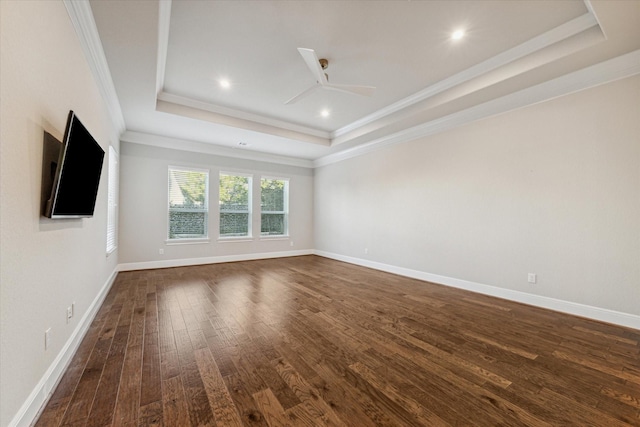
[[188, 203], [235, 205], [112, 202], [274, 196]]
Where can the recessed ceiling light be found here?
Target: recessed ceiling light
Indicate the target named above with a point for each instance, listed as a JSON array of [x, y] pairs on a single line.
[[225, 84], [324, 113], [457, 35]]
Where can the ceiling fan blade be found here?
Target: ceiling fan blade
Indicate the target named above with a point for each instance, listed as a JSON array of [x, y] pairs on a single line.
[[310, 57], [358, 90], [302, 94]]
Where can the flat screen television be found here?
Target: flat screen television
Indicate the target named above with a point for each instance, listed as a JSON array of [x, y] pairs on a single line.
[[77, 174]]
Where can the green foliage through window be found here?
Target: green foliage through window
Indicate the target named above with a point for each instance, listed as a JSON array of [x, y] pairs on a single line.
[[188, 203], [274, 197], [235, 205]]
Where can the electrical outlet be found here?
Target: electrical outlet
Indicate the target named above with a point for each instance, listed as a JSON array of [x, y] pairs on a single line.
[[366, 251], [69, 313], [161, 251], [73, 309], [291, 243], [47, 338], [532, 278]]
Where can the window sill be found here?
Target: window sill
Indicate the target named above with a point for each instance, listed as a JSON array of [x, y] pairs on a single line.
[[234, 239], [173, 242], [274, 237]]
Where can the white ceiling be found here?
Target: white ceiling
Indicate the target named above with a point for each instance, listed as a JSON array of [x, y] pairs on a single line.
[[166, 59]]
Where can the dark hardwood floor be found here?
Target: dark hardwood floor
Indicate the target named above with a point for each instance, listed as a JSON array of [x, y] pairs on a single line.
[[309, 341]]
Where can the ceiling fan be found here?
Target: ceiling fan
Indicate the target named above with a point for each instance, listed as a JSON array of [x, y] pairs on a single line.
[[317, 67]]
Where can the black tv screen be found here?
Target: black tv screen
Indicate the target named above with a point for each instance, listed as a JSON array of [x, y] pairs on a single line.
[[77, 176]]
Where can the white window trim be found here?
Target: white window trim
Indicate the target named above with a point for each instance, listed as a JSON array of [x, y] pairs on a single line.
[[235, 239], [187, 241]]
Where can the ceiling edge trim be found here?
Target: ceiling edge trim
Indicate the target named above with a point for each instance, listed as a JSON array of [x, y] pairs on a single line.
[[232, 122], [248, 118], [623, 66], [164, 22], [589, 7], [562, 32], [216, 150], [84, 24]]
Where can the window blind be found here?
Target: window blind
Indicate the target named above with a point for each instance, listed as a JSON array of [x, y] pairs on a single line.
[[188, 203], [112, 202]]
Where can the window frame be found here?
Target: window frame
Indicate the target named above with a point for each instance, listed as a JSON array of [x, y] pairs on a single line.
[[194, 239], [112, 200], [249, 211], [284, 212]]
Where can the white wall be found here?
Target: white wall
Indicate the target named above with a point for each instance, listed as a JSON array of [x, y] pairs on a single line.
[[144, 210], [552, 189], [45, 265]]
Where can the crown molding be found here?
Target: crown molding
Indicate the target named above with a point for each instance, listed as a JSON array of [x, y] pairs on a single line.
[[216, 150], [85, 26], [242, 119], [562, 32], [257, 122], [164, 21], [605, 72], [589, 7]]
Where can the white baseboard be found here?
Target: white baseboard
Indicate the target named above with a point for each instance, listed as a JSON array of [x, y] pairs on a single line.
[[147, 265], [40, 395], [590, 312]]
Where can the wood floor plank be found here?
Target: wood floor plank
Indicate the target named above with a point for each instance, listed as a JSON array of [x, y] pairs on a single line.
[[224, 409], [272, 380], [246, 406], [174, 404], [136, 335], [319, 411], [151, 390], [80, 404], [420, 414], [151, 415], [200, 412], [351, 406], [105, 400], [169, 364], [309, 341], [273, 413], [128, 403]]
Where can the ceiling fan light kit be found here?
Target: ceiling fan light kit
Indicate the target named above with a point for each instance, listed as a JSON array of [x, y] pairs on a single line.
[[317, 67]]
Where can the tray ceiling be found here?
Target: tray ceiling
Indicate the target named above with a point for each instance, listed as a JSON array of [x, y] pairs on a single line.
[[167, 59]]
